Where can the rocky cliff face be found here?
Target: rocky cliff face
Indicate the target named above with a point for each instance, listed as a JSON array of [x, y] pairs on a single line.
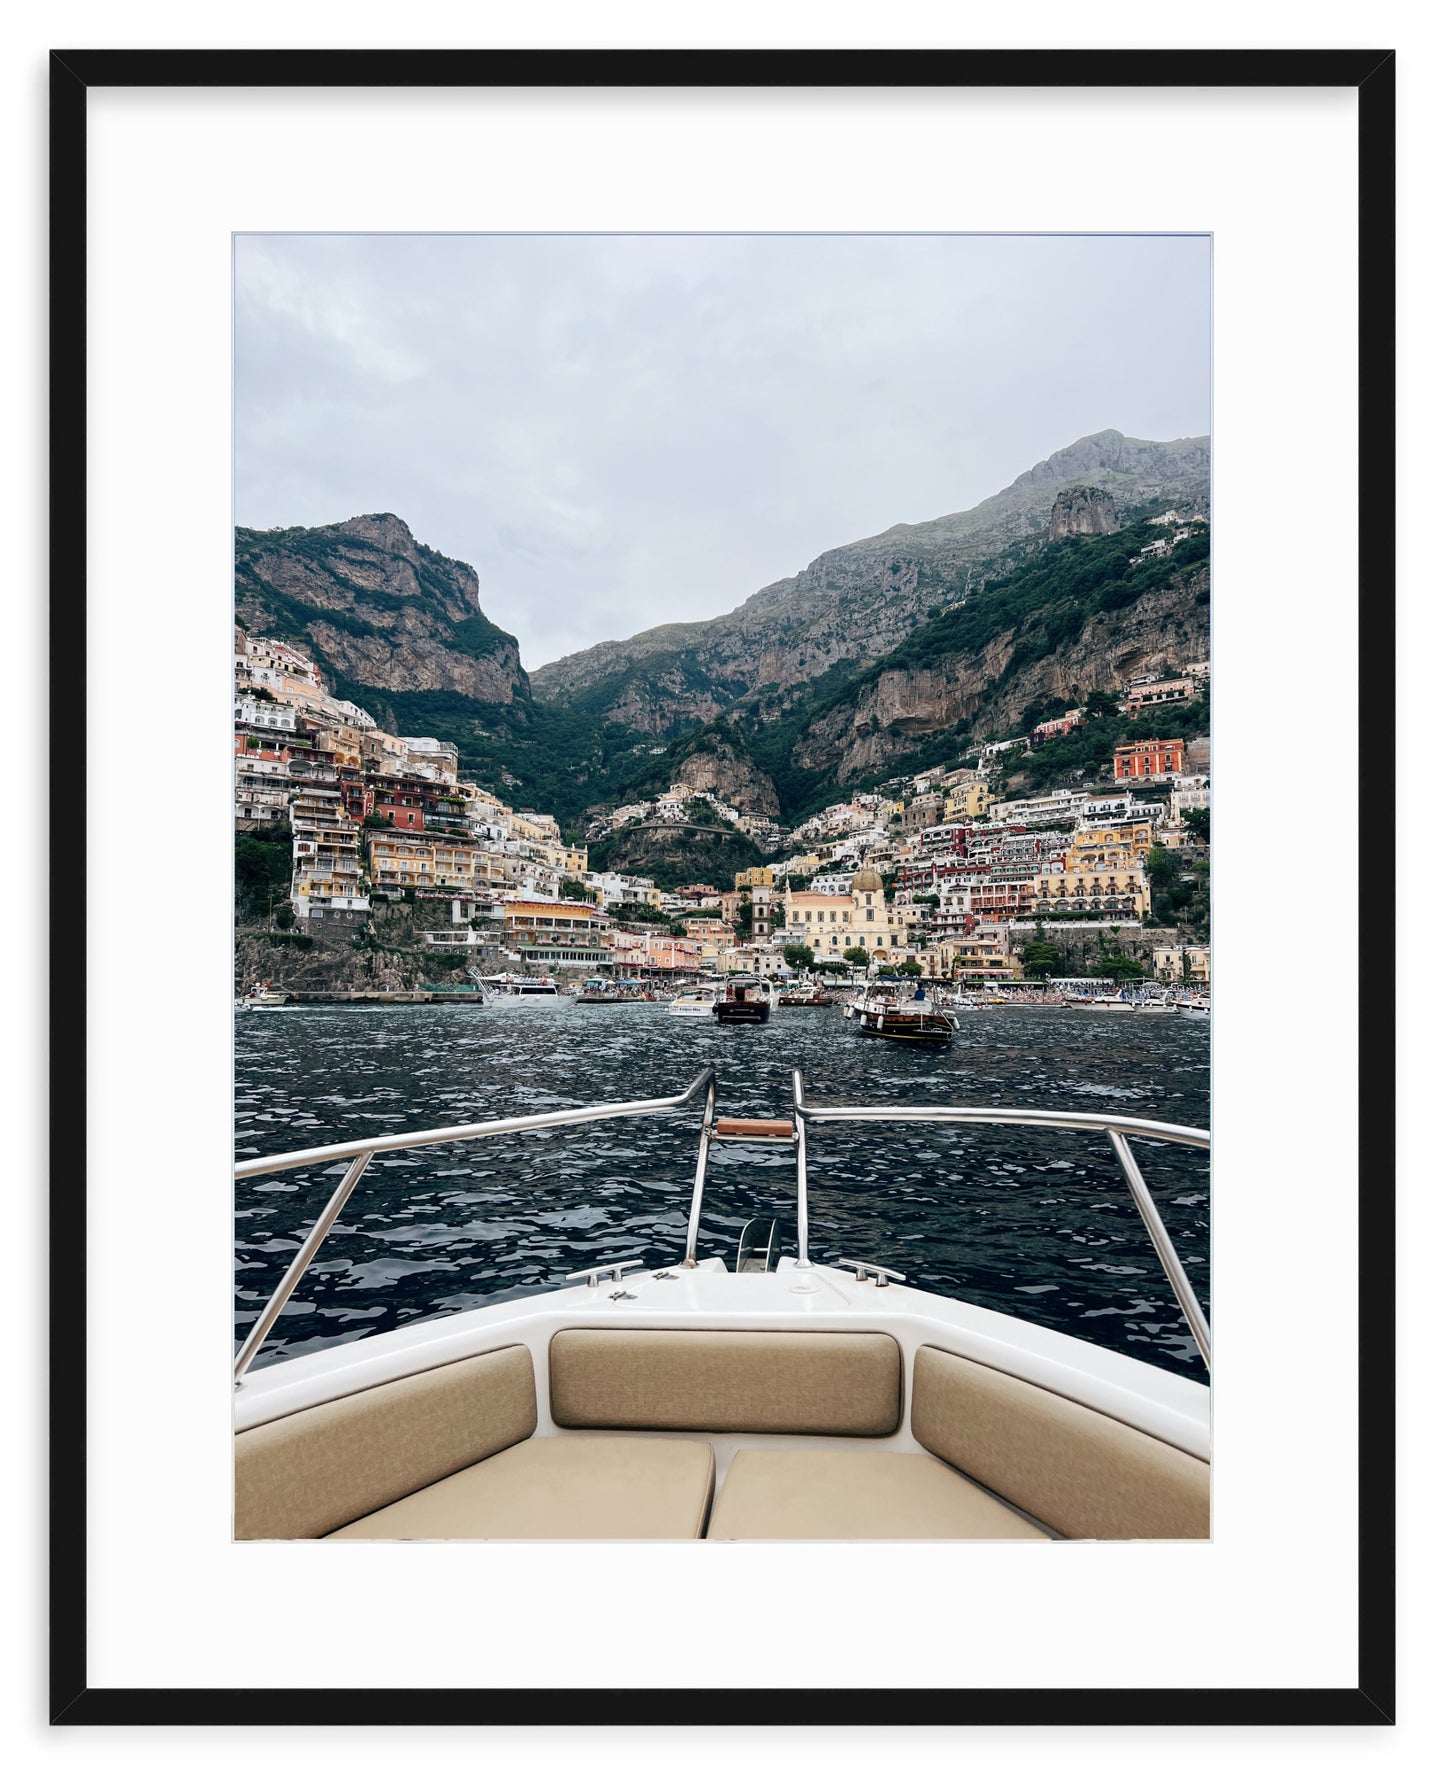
[[733, 778], [855, 603], [894, 709], [374, 606], [1083, 511]]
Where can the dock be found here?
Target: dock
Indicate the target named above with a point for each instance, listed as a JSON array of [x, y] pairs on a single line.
[[361, 996]]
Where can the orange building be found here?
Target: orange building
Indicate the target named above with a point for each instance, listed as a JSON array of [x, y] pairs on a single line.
[[1148, 758]]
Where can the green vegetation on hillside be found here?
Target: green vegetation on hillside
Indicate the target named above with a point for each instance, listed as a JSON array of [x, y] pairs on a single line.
[[1088, 751], [541, 755], [675, 855], [263, 870], [1047, 598], [1051, 596]]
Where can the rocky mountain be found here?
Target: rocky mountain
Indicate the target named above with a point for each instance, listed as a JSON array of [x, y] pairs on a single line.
[[896, 650], [898, 705], [376, 609], [854, 603], [1083, 511], [716, 762]]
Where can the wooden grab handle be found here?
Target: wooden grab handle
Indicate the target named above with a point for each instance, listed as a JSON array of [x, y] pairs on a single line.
[[731, 1128]]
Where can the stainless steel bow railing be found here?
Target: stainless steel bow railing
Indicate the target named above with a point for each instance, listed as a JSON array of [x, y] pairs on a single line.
[[361, 1153], [1118, 1129]]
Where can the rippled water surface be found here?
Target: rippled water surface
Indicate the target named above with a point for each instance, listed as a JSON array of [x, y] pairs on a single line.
[[1035, 1224]]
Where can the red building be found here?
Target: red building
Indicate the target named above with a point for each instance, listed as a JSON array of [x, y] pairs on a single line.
[[401, 805], [356, 798], [1148, 758]]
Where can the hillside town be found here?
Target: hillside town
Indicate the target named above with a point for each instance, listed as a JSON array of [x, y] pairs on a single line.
[[941, 874]]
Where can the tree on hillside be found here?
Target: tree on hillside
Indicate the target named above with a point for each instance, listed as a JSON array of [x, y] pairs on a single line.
[[858, 957], [575, 890], [1114, 965], [798, 955], [1197, 820], [1101, 702], [1040, 959]]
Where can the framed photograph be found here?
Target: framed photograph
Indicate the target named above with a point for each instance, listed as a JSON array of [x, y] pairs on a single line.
[[724, 1036]]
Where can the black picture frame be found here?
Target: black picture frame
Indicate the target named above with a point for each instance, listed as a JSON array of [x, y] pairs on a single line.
[[72, 74]]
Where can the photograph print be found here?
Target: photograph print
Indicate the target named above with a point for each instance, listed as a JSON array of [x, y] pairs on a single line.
[[722, 887]]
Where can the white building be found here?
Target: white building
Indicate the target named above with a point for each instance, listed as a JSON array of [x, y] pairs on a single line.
[[1040, 810], [995, 748], [253, 711], [1190, 795]]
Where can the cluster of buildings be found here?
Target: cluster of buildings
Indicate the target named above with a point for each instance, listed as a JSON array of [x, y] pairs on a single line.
[[934, 869], [681, 805], [1142, 695]]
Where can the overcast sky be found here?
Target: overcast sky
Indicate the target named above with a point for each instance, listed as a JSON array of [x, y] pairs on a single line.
[[623, 431]]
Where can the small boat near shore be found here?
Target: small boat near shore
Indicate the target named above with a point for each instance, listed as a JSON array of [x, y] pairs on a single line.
[[522, 989], [613, 992], [800, 1001], [262, 997], [916, 1020], [696, 1001], [744, 1001]]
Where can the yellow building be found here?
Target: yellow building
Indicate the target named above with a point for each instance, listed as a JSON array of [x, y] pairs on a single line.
[[831, 923], [753, 878], [1103, 873], [967, 801], [1169, 964], [425, 861], [1111, 845], [1120, 892], [983, 956], [340, 746]]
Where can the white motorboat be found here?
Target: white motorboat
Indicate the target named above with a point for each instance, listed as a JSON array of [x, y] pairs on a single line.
[[784, 1399], [696, 1001], [262, 998], [522, 989], [1196, 1008], [1101, 1001]]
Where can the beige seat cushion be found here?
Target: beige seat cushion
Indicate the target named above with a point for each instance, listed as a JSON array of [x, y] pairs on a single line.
[[559, 1488], [856, 1494], [819, 1383], [1087, 1475], [303, 1475]]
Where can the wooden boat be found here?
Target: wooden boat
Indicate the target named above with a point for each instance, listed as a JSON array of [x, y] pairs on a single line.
[[744, 1001], [797, 1001], [905, 1020]]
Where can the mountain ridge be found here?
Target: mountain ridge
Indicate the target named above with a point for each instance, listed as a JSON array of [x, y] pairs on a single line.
[[748, 704], [858, 600]]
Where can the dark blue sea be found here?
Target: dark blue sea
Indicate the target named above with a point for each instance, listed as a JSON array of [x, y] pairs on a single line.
[[1035, 1224]]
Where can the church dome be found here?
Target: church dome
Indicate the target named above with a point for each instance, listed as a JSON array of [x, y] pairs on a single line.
[[867, 881]]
